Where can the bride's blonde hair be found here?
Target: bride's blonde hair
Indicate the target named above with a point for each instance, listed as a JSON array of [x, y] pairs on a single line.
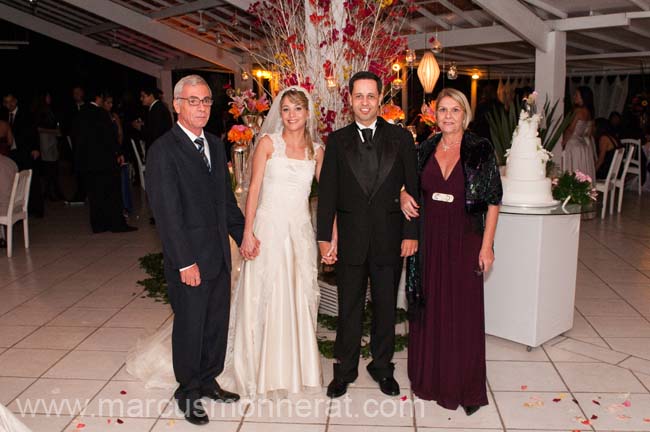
[[299, 98]]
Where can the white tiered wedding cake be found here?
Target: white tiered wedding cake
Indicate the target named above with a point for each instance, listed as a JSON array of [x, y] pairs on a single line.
[[525, 182]]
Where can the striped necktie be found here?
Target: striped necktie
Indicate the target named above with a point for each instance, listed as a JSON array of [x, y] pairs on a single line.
[[200, 146]]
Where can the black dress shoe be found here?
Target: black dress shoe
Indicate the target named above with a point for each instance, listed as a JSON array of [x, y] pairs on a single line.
[[337, 388], [220, 395], [389, 386], [471, 409], [193, 411]]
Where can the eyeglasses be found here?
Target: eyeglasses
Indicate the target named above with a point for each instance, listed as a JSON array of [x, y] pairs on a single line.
[[194, 101], [455, 111]]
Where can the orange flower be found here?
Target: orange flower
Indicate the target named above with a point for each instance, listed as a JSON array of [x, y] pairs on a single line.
[[391, 112], [234, 110], [240, 134]]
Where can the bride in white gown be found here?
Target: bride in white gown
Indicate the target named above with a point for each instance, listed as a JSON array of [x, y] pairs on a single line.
[[272, 347]]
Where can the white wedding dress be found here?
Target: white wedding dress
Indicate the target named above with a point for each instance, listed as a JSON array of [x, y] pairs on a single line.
[[272, 347], [10, 423]]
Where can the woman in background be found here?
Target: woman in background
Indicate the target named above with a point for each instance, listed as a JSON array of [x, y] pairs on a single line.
[[578, 154]]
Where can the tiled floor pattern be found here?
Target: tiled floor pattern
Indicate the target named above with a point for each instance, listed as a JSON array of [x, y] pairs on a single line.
[[71, 309]]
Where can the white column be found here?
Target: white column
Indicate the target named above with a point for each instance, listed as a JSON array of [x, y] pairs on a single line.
[[164, 83], [405, 93], [550, 70], [550, 77]]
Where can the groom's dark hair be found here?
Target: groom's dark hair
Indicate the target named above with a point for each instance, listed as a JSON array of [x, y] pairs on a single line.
[[364, 75]]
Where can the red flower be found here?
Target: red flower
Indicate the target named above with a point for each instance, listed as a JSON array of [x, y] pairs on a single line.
[[349, 30]]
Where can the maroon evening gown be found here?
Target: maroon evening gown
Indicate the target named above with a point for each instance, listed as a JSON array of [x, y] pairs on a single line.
[[446, 358]]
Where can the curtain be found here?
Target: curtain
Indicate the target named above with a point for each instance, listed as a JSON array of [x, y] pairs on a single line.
[[609, 94]]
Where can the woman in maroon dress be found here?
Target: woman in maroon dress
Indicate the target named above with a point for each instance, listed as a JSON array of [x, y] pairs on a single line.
[[460, 192]]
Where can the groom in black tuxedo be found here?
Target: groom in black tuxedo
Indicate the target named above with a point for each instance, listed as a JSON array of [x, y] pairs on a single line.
[[191, 197], [365, 166]]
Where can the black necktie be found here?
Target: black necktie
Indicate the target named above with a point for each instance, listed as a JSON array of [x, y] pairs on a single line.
[[367, 136], [200, 146], [11, 119], [369, 160]]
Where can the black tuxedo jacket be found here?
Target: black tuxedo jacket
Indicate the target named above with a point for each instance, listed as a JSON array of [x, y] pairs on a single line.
[[26, 137], [95, 142], [195, 208], [370, 222], [159, 121]]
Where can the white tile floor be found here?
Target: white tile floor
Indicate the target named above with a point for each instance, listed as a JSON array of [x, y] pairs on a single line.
[[70, 309]]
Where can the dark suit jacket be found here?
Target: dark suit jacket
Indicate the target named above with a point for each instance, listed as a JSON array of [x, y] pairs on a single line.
[[195, 208], [159, 121], [26, 137], [95, 142], [370, 222]]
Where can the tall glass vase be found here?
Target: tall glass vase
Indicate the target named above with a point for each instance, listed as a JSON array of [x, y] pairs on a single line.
[[239, 160]]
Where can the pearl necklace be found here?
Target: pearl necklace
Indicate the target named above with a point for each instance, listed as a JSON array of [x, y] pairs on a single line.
[[446, 146]]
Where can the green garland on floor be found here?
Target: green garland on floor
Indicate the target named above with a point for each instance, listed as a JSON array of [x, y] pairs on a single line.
[[156, 288], [326, 346], [155, 285]]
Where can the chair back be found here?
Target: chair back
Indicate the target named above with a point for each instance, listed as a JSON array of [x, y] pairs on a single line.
[[141, 166], [635, 146], [615, 165], [20, 193], [626, 164]]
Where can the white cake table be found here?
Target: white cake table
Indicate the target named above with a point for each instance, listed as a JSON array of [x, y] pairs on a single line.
[[530, 291]]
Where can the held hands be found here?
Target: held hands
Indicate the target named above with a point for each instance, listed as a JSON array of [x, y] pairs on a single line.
[[485, 259], [409, 207], [409, 247], [328, 251], [191, 276], [250, 246]]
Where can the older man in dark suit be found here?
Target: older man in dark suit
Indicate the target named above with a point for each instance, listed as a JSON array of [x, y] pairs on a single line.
[[366, 164], [190, 194]]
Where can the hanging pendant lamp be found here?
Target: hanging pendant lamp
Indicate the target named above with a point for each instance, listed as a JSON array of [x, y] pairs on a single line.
[[428, 71]]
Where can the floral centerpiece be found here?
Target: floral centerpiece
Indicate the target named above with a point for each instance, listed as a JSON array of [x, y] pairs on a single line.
[[392, 113], [574, 188], [240, 134], [246, 103], [428, 114], [319, 44]]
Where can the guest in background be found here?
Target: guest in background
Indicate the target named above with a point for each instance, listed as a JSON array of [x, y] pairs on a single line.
[[606, 145], [158, 119], [124, 168], [488, 103], [25, 150], [8, 170], [115, 118], [70, 126], [458, 209], [6, 137], [97, 154], [578, 153], [48, 131], [616, 124]]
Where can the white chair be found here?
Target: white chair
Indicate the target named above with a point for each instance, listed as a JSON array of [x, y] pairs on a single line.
[[635, 164], [17, 208], [604, 186], [619, 181], [141, 166]]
